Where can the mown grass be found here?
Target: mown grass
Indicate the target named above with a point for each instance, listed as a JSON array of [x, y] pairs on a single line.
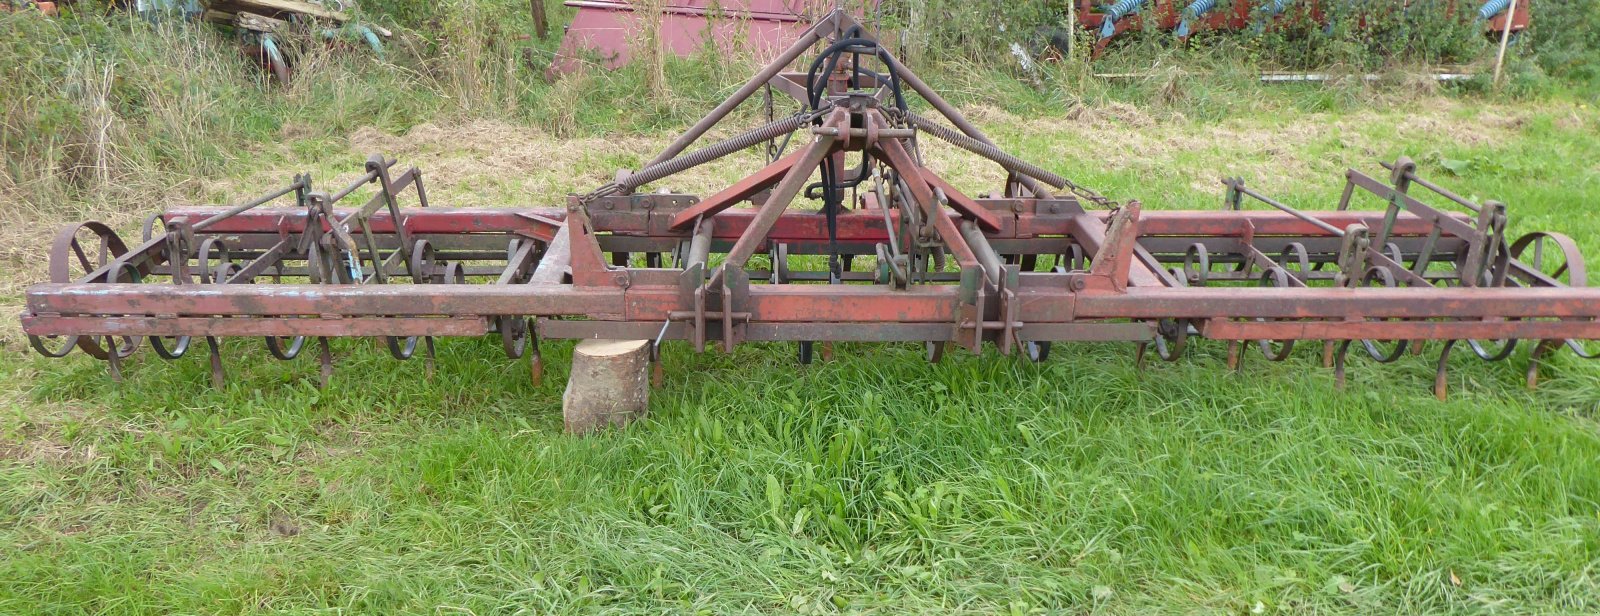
[[874, 482]]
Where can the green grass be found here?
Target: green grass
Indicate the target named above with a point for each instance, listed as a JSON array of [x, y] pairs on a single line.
[[875, 482]]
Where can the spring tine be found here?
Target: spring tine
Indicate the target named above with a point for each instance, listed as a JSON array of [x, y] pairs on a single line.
[[1138, 355], [1440, 378], [1534, 358], [535, 356], [1338, 365], [114, 359], [427, 359], [325, 355], [217, 379], [1235, 356], [1327, 353]]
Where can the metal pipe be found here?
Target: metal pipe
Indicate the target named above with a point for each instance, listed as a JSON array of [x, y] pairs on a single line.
[[700, 244], [1284, 207], [986, 255], [766, 132], [238, 209], [772, 69], [782, 195], [1440, 190], [359, 182]]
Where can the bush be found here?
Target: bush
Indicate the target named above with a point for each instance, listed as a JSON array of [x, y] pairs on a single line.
[[1566, 39]]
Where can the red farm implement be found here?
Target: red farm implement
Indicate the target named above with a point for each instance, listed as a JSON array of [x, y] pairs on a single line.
[[1185, 18], [891, 252]]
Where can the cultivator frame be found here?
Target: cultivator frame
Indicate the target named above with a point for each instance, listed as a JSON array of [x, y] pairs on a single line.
[[1020, 268]]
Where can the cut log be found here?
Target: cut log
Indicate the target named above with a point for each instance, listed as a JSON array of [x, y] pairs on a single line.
[[258, 23], [609, 385]]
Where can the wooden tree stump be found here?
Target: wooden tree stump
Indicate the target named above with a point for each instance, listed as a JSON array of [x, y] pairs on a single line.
[[609, 385]]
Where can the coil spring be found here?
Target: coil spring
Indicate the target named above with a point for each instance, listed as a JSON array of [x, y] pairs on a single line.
[[1123, 9], [1194, 11], [1115, 13], [1492, 8]]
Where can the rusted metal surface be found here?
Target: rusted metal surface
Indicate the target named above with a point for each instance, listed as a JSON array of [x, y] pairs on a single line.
[[1399, 265], [608, 29]]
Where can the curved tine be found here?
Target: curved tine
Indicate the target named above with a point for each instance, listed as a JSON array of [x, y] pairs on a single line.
[[1197, 264], [513, 335], [1302, 259], [401, 351], [427, 357], [1440, 377], [1275, 277], [325, 357], [277, 350], [1372, 347], [1544, 348], [112, 351], [535, 357], [39, 345], [274, 343], [180, 276], [147, 231], [114, 360], [1579, 350], [1339, 357], [218, 379], [1507, 346], [1171, 343], [115, 353], [203, 256], [225, 270], [420, 266], [179, 348], [177, 266]]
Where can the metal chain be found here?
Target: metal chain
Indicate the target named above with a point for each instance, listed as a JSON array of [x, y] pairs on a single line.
[[772, 144], [1092, 196]]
